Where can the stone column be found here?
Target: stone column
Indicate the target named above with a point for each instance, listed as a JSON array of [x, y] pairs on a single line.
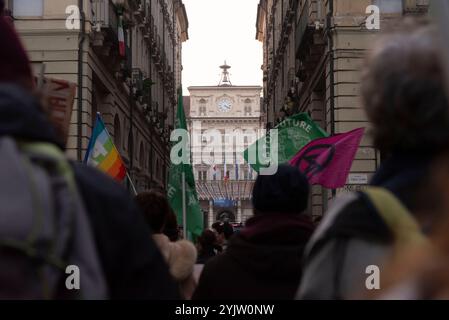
[[211, 213], [239, 211]]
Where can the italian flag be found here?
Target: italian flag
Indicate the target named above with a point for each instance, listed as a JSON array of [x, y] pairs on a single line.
[[121, 37]]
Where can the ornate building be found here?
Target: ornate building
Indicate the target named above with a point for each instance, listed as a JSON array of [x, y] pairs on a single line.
[[224, 186], [134, 89], [313, 50]]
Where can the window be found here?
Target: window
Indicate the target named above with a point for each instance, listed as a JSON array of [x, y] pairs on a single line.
[[202, 175], [245, 174], [389, 6], [26, 8], [202, 110], [247, 111], [142, 155]]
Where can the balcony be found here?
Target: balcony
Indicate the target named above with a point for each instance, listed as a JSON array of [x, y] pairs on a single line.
[[104, 16], [302, 26], [139, 13]]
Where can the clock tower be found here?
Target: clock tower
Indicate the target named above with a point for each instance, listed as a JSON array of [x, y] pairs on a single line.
[[224, 188], [225, 80]]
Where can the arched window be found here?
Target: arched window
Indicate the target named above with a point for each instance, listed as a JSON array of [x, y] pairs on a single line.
[[117, 133], [245, 140], [202, 107]]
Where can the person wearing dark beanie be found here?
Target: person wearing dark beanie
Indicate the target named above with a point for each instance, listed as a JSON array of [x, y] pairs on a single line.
[[263, 261], [287, 191]]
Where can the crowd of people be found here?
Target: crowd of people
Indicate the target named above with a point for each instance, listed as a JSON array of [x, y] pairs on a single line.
[[55, 210]]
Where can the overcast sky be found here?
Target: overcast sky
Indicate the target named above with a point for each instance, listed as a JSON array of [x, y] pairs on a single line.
[[221, 30]]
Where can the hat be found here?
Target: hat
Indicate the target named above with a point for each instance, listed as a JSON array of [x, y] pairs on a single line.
[[286, 191], [224, 227], [14, 63]]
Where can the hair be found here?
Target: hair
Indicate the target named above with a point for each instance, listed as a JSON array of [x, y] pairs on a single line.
[[171, 227], [225, 228], [207, 240], [155, 208], [403, 91]]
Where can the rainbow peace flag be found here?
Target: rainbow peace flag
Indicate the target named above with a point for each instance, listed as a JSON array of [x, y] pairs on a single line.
[[102, 153]]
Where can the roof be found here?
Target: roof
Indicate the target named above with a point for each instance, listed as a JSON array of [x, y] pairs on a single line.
[[223, 87], [232, 189]]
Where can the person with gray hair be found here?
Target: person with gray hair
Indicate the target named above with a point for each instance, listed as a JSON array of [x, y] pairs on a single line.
[[404, 98]]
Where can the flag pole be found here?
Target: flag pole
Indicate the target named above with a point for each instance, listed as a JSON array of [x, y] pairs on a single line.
[[132, 184], [184, 213]]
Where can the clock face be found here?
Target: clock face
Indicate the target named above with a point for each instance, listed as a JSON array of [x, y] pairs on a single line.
[[224, 105]]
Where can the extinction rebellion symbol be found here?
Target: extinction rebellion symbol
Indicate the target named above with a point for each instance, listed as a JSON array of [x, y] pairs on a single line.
[[309, 163]]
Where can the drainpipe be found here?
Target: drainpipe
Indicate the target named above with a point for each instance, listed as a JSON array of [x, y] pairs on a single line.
[[274, 64], [131, 101], [266, 102], [174, 58], [331, 71], [151, 107], [161, 137], [82, 37]]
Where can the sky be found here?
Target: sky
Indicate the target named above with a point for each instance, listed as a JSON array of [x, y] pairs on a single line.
[[221, 30]]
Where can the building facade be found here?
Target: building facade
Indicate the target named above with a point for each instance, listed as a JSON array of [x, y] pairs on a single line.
[[133, 87], [226, 116], [313, 51]]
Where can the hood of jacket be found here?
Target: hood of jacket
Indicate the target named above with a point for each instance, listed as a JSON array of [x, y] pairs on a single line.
[[271, 245], [21, 116], [180, 256]]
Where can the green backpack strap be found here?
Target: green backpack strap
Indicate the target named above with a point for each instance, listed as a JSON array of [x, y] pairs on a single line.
[[401, 222], [52, 151]]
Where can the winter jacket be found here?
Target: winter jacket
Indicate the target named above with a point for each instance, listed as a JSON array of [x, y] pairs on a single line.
[[263, 261], [133, 266], [353, 236], [181, 257]]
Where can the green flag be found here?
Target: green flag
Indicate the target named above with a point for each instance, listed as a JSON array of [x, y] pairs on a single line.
[[194, 214], [293, 134]]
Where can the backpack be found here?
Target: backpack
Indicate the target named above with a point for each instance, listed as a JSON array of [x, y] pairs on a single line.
[[46, 242]]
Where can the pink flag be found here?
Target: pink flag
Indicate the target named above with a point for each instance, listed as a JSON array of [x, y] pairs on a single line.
[[327, 161]]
